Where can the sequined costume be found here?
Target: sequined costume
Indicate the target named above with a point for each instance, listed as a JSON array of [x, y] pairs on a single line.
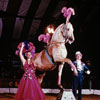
[[29, 88]]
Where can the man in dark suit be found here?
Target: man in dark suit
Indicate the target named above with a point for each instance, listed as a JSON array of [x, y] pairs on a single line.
[[78, 80]]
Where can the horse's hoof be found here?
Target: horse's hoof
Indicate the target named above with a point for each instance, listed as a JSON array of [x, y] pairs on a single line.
[[75, 73], [59, 96], [61, 87]]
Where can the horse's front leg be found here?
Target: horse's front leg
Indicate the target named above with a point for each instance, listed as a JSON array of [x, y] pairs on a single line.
[[71, 65], [60, 68]]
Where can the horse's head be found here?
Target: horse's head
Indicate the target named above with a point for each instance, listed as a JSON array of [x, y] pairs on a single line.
[[67, 32]]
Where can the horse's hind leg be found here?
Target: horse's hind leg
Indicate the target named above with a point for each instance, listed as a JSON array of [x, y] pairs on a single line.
[[40, 78], [60, 68]]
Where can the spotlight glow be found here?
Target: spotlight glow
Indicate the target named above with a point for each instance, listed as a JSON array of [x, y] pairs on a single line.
[[50, 29]]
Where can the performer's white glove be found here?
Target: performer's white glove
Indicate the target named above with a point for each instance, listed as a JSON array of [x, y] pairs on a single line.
[[88, 72]]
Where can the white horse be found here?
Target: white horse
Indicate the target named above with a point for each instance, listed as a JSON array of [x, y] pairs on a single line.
[[57, 51]]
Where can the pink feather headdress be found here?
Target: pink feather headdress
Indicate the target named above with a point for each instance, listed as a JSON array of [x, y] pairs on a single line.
[[31, 48], [67, 12]]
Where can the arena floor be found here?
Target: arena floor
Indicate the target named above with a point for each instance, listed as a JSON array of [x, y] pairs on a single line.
[[50, 97]]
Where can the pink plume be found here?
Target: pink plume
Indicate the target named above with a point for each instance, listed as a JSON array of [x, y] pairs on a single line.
[[31, 48], [64, 9], [17, 52], [67, 12], [41, 37], [44, 38]]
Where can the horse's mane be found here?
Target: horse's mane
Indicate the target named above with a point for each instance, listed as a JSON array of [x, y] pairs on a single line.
[[57, 34]]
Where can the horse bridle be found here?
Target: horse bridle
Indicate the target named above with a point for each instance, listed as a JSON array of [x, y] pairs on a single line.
[[63, 30]]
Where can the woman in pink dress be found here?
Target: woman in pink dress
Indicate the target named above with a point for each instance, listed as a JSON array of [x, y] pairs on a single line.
[[29, 88]]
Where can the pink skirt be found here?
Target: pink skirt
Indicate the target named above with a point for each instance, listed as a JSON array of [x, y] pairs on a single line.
[[29, 89]]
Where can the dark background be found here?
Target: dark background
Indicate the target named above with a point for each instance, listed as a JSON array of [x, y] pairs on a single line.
[[16, 26]]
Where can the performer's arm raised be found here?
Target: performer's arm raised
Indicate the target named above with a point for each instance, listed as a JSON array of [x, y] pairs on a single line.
[[21, 54]]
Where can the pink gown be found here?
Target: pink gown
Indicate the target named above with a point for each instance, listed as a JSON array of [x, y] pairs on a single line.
[[29, 88]]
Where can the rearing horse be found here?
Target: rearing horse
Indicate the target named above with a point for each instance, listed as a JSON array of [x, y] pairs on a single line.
[[57, 51]]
